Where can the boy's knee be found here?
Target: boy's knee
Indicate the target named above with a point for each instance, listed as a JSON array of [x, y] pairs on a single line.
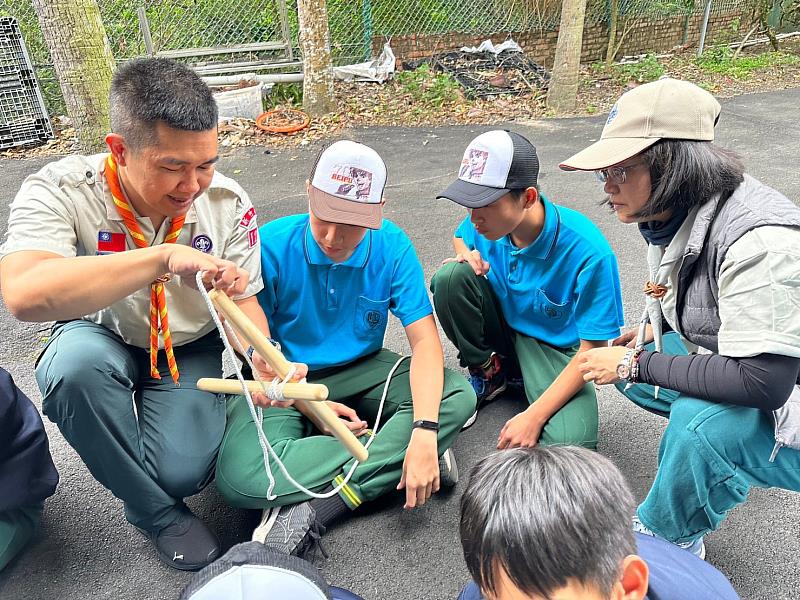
[[459, 396], [452, 275]]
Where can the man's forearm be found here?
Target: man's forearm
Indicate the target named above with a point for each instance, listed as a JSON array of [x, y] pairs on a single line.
[[58, 288]]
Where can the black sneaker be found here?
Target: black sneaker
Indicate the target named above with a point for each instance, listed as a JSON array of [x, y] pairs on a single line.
[[294, 530], [187, 544]]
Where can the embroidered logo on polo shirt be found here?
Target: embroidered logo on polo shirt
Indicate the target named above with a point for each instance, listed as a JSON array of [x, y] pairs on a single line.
[[202, 242], [372, 318]]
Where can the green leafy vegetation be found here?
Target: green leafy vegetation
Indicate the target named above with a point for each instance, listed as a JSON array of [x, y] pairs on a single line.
[[428, 88], [647, 69], [285, 94], [721, 60]]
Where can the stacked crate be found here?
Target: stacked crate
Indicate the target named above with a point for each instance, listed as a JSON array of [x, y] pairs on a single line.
[[23, 116]]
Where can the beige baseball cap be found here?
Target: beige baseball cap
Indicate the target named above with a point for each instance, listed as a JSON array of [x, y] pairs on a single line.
[[663, 109]]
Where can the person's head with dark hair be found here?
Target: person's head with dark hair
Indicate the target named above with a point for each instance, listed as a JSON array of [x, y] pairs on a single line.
[[163, 135], [656, 155], [149, 91], [550, 522]]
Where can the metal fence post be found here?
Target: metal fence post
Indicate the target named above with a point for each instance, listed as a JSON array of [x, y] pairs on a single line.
[[705, 27], [366, 17]]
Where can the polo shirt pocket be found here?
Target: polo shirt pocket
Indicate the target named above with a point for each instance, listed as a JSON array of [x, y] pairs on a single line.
[[370, 318], [551, 312]]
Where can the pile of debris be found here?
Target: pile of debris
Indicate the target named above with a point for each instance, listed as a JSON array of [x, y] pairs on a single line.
[[489, 70]]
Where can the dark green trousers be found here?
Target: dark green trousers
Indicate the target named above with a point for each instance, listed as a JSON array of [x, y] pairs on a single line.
[[149, 442], [317, 461], [472, 319]]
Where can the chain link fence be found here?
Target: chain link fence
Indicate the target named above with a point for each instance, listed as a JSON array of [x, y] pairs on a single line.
[[354, 24]]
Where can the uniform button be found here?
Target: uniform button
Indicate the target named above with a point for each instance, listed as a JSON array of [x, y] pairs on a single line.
[[331, 290], [513, 266]]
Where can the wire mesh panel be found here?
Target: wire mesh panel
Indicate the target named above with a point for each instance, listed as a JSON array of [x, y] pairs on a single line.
[[23, 116]]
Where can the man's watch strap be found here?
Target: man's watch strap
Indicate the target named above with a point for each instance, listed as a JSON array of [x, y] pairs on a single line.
[[250, 349], [423, 424]]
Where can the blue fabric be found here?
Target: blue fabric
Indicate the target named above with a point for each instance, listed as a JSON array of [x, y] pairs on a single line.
[[562, 288], [340, 594], [675, 574], [313, 304], [27, 473]]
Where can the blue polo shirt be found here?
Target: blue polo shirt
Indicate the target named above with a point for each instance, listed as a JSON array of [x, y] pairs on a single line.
[[561, 289], [327, 314]]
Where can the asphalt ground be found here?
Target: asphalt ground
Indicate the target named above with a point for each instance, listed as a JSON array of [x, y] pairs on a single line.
[[85, 548]]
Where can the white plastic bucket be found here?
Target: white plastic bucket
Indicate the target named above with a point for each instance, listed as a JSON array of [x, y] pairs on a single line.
[[244, 103]]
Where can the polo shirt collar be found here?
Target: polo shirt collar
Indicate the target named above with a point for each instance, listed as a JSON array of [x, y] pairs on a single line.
[[315, 256], [543, 246], [112, 214]]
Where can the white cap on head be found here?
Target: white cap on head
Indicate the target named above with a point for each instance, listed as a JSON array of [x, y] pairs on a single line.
[[347, 185]]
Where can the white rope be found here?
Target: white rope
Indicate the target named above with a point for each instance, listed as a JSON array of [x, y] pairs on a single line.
[[275, 392]]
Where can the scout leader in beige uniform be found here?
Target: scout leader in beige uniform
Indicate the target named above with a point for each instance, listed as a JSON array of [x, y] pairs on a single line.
[[73, 254]]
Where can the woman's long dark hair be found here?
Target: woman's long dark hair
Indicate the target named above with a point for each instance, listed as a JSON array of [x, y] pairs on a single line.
[[686, 173]]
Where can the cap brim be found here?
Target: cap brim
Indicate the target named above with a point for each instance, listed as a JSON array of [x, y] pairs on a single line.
[[472, 195], [606, 153], [348, 212]]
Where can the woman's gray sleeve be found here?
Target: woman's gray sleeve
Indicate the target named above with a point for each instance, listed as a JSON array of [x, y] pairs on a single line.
[[763, 381]]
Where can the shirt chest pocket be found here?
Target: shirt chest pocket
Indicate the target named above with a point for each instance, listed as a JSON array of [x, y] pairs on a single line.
[[370, 318], [549, 311]]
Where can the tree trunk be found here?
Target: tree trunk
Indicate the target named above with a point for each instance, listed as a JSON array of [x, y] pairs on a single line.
[[84, 65], [613, 19], [317, 65], [565, 75]]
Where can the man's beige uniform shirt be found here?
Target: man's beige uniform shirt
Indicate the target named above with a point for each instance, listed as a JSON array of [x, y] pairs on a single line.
[[66, 208]]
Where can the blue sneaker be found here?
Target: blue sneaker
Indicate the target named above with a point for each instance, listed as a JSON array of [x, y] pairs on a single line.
[[488, 383], [696, 547]]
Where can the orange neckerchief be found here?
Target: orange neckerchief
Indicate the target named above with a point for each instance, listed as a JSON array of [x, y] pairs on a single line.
[[158, 298]]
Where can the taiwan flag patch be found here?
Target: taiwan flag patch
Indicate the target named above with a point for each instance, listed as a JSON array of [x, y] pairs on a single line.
[[108, 243]]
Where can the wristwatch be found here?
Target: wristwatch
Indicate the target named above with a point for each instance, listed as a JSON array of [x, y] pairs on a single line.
[[423, 424], [275, 343]]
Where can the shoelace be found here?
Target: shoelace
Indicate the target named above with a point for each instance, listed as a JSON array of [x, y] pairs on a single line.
[[312, 541]]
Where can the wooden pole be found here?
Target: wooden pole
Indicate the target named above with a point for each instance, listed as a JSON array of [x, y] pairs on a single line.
[[281, 366]]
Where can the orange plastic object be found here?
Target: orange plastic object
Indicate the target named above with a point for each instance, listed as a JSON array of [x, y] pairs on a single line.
[[284, 120]]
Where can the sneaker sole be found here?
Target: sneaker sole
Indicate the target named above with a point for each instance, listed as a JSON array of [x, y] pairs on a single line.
[[470, 422], [448, 476], [493, 396], [268, 519]]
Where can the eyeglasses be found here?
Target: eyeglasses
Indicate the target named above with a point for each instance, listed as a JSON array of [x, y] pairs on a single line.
[[615, 175]]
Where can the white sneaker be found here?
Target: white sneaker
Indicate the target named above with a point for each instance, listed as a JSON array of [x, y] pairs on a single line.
[[696, 547], [448, 469]]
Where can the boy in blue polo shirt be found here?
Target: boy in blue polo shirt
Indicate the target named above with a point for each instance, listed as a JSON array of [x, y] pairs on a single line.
[[331, 277], [532, 285]]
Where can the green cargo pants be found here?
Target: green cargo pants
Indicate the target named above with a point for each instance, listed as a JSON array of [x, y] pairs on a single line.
[[472, 319], [317, 461]]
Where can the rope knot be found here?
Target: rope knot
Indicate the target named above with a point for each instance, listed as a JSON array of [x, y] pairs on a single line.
[[654, 290]]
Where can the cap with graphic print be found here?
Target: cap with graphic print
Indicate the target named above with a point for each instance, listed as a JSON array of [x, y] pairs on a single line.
[[347, 185], [663, 109], [494, 163]]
